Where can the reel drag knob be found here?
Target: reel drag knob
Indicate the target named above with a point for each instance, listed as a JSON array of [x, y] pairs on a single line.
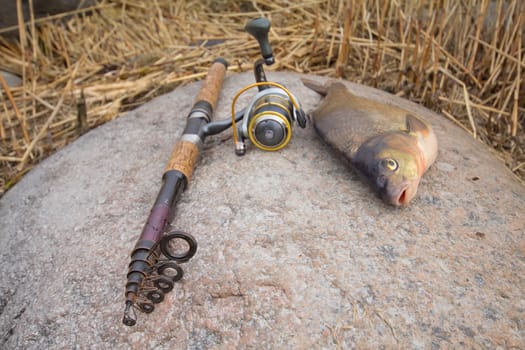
[[259, 29]]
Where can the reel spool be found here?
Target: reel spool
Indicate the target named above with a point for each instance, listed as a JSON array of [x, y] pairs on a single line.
[[268, 119]]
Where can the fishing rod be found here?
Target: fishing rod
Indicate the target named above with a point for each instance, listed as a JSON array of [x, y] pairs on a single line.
[[157, 255], [266, 122]]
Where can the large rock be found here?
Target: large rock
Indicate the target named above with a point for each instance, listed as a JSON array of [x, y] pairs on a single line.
[[294, 250]]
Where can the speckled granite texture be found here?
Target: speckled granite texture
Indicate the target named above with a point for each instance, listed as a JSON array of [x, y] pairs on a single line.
[[294, 250]]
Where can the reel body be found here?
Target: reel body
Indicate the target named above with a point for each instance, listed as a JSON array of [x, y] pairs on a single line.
[[268, 119]]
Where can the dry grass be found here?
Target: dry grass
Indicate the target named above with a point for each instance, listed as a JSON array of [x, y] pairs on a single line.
[[464, 59]]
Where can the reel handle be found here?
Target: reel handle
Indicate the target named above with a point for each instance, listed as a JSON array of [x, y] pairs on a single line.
[[259, 29]]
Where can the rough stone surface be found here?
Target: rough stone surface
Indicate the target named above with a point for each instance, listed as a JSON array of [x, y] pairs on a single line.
[[294, 250]]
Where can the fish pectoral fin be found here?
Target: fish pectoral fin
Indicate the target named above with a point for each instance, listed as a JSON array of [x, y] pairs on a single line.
[[416, 125]]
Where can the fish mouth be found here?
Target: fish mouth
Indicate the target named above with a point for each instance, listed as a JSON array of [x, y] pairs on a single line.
[[400, 198], [403, 198], [398, 193]]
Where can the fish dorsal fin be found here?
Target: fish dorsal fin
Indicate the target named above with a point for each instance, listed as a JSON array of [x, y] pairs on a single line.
[[415, 125], [321, 89]]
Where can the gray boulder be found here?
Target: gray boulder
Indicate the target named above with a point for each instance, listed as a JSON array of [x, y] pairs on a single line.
[[294, 250]]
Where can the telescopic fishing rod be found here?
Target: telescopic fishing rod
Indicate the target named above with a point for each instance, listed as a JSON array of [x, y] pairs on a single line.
[[266, 122], [155, 260]]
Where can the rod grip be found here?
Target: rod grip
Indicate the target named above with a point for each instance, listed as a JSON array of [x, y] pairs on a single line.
[[183, 158], [209, 91]]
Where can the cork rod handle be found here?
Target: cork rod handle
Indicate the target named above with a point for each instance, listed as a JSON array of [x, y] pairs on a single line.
[[209, 91], [185, 154], [183, 158]]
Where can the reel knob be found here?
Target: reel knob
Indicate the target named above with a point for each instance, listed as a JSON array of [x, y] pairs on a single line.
[[259, 29]]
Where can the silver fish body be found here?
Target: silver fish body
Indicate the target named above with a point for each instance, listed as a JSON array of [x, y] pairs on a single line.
[[391, 147]]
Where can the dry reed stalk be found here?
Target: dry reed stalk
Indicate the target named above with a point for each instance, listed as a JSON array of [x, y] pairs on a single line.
[[16, 111], [342, 58], [463, 59]]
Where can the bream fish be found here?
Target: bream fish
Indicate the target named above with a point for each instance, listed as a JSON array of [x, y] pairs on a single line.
[[391, 147]]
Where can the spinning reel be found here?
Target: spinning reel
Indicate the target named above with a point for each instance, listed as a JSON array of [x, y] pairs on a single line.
[[268, 119]]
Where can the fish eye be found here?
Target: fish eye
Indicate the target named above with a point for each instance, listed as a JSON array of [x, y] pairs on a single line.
[[390, 164]]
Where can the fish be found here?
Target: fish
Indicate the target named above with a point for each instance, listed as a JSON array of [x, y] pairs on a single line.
[[390, 147]]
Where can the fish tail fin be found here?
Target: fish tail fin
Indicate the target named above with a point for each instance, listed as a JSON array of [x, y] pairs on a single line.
[[321, 89]]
